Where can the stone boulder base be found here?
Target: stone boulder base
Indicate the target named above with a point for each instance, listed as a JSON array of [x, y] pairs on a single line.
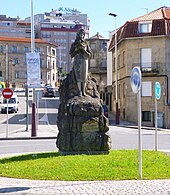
[[81, 121]]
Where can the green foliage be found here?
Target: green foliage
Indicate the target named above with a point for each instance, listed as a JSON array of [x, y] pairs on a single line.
[[117, 165]]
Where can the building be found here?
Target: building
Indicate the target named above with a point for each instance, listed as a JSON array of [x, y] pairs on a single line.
[[143, 42], [13, 69], [14, 27], [98, 62], [60, 27]]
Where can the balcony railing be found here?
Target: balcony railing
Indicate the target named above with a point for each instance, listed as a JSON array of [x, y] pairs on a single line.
[[152, 68], [98, 69]]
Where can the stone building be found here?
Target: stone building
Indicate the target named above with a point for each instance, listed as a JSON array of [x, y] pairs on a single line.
[[13, 60], [98, 62], [144, 42]]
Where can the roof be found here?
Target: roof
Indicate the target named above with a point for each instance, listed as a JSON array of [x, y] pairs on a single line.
[[97, 36], [160, 26], [26, 40], [161, 13]]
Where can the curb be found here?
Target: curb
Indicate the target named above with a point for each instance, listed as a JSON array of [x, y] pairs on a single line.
[[26, 138]]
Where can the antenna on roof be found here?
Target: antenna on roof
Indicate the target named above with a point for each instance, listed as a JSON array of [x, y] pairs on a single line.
[[145, 9]]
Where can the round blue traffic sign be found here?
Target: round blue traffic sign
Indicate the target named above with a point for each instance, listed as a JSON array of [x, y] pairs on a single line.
[[135, 79], [157, 90]]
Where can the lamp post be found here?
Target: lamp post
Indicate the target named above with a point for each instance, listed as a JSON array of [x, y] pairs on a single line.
[[116, 70]]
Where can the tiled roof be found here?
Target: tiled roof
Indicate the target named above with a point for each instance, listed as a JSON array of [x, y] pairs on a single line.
[[26, 40], [97, 36], [161, 13], [160, 25]]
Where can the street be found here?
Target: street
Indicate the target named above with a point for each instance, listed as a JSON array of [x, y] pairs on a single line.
[[21, 141]]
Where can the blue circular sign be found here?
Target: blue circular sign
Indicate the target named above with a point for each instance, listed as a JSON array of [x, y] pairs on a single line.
[[157, 90], [135, 79]]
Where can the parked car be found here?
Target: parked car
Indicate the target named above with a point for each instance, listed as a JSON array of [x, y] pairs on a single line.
[[49, 92], [13, 104], [105, 109]]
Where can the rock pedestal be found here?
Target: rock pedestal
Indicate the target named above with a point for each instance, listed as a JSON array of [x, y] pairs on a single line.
[[81, 122]]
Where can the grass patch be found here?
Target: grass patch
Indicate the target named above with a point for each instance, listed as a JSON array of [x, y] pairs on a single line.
[[117, 165]]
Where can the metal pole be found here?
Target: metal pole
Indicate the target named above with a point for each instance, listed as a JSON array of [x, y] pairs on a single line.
[[32, 29], [60, 64], [156, 124], [139, 134], [116, 70], [7, 67], [7, 126], [116, 67], [27, 119]]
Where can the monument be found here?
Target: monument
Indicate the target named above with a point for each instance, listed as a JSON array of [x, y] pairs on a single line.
[[81, 122]]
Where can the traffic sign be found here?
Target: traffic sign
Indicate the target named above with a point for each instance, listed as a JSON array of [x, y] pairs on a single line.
[[157, 90], [135, 79], [7, 93]]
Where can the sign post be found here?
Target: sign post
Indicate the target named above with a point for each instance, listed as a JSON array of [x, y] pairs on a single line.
[[135, 81], [7, 94], [157, 97]]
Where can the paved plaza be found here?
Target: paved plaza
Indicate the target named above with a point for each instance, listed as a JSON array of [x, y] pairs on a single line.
[[128, 187]]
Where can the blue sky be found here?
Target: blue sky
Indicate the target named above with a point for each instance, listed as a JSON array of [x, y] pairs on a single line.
[[97, 10]]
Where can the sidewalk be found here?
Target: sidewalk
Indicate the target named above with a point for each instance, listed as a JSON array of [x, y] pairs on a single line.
[[123, 123], [43, 187]]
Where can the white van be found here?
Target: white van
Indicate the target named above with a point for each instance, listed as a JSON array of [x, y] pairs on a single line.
[[13, 104]]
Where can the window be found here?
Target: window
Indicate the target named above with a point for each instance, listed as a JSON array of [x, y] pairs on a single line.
[[26, 49], [7, 23], [145, 58], [16, 61], [14, 49], [53, 52], [114, 65], [124, 58], [119, 91], [119, 61], [145, 27], [1, 48], [16, 74], [48, 64], [124, 89], [37, 49], [146, 116], [147, 89], [53, 64]]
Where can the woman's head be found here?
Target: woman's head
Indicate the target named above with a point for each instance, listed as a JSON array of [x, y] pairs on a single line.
[[80, 33]]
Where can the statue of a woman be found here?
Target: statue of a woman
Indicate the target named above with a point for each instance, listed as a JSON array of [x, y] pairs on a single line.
[[80, 52]]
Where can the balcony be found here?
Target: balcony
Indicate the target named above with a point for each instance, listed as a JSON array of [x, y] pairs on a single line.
[[153, 68], [98, 69]]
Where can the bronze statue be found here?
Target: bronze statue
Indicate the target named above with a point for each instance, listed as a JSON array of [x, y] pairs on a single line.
[[80, 52]]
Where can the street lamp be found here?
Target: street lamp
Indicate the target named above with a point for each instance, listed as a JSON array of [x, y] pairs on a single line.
[[116, 70]]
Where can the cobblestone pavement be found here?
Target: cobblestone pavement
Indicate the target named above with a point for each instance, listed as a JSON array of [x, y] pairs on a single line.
[[128, 187]]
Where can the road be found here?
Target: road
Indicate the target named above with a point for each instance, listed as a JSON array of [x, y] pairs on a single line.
[[122, 137]]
